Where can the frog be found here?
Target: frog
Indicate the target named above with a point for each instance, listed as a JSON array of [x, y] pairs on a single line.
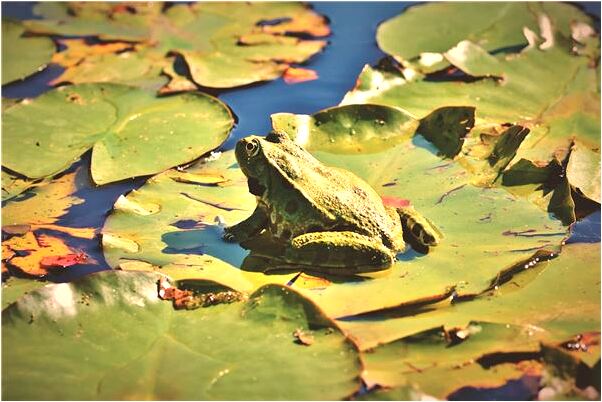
[[318, 217]]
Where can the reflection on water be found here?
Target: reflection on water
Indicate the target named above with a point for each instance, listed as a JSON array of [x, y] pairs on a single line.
[[205, 241]]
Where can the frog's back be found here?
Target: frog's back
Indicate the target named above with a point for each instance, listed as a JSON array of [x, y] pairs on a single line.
[[331, 198]]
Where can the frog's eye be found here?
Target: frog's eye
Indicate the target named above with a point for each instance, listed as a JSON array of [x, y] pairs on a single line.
[[252, 147]]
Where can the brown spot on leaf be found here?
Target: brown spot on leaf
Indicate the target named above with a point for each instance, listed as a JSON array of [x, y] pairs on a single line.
[[303, 338]]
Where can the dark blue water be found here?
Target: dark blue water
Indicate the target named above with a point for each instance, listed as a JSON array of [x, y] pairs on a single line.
[[351, 46]]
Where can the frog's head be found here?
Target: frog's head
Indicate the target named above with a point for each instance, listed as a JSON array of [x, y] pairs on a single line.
[[256, 157]]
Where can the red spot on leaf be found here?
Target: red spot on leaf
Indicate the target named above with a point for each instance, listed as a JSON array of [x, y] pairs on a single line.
[[294, 75], [395, 202], [168, 292], [63, 261]]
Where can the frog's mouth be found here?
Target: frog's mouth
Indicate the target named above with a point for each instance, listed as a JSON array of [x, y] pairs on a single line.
[[255, 187]]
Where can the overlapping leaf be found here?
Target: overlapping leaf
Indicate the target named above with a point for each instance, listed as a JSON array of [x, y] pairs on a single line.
[[174, 224], [13, 288], [37, 255], [131, 131], [552, 303], [435, 28], [416, 361], [224, 45], [376, 143], [550, 88], [561, 304], [13, 185], [485, 230], [108, 336], [22, 56], [117, 62], [43, 206]]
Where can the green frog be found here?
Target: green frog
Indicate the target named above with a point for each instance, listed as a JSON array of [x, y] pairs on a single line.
[[318, 217]]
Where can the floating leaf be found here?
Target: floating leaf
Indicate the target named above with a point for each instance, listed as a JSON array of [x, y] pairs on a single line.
[[36, 255], [22, 56], [434, 28], [294, 75], [63, 261], [583, 165], [227, 351], [473, 220], [13, 185], [567, 377], [389, 154], [49, 201], [224, 45], [177, 82], [549, 89], [552, 303], [132, 132], [13, 287], [116, 62], [431, 363], [182, 235]]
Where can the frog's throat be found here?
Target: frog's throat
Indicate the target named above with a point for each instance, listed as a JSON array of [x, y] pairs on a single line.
[[255, 187]]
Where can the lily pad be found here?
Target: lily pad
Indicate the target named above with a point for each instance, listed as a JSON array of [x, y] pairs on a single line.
[[117, 62], [173, 224], [131, 131], [13, 185], [13, 288], [43, 205], [37, 255], [224, 45], [22, 56], [549, 88], [435, 28], [430, 363], [485, 239], [552, 302], [109, 336]]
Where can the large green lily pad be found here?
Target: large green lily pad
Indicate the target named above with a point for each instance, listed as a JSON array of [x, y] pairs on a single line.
[[131, 131], [109, 336], [552, 302], [420, 35], [491, 236], [13, 288], [550, 88], [22, 56], [224, 45]]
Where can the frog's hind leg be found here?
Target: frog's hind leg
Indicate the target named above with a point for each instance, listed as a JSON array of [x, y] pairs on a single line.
[[347, 252], [418, 231]]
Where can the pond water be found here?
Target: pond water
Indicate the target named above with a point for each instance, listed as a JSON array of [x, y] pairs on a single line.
[[351, 46]]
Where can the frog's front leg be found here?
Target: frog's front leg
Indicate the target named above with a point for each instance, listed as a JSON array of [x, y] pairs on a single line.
[[418, 231], [339, 252], [248, 228]]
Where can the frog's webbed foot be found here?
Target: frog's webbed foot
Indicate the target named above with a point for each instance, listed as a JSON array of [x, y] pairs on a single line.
[[418, 231], [246, 229], [346, 252]]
